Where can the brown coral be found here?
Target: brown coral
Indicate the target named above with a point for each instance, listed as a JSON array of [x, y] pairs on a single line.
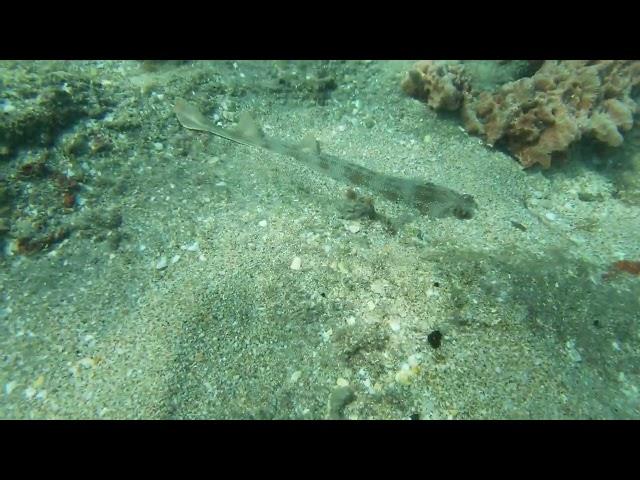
[[437, 83], [629, 266], [539, 116]]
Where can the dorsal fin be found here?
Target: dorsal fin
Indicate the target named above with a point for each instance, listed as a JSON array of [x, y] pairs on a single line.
[[248, 128], [310, 144]]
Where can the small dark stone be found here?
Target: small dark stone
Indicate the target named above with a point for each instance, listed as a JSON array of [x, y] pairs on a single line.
[[436, 284], [596, 323], [435, 338], [414, 416], [518, 225], [590, 197]]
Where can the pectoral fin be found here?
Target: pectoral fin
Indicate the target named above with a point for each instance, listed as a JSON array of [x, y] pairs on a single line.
[[190, 117], [247, 128]]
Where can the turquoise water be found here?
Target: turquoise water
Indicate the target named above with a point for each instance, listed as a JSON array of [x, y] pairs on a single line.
[[319, 239]]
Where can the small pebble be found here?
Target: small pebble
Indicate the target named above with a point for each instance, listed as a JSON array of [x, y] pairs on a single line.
[[296, 263], [378, 286], [342, 382], [29, 393], [194, 247], [262, 223], [404, 375], [6, 106], [10, 387], [326, 335], [572, 351], [38, 382], [353, 227], [414, 360], [87, 362], [162, 263]]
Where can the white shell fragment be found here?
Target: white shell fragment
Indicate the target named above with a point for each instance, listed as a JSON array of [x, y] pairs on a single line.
[[296, 263], [162, 263]]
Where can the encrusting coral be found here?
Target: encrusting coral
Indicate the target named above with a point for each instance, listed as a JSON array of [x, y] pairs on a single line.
[[539, 116], [439, 84]]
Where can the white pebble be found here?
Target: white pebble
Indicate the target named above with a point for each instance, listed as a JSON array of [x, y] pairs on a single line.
[[572, 351], [157, 146], [550, 216], [6, 106], [174, 259], [353, 227], [162, 263], [87, 362], [326, 335], [414, 360], [378, 286], [10, 387], [262, 223], [296, 263], [194, 247], [296, 376], [29, 393]]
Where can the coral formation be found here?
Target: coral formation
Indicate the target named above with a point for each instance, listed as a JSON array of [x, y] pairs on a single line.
[[439, 84], [629, 266], [540, 116]]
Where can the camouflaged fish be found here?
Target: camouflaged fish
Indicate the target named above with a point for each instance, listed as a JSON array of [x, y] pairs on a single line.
[[430, 199]]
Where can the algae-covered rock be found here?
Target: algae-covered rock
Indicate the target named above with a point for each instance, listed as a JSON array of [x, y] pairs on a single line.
[[36, 108]]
